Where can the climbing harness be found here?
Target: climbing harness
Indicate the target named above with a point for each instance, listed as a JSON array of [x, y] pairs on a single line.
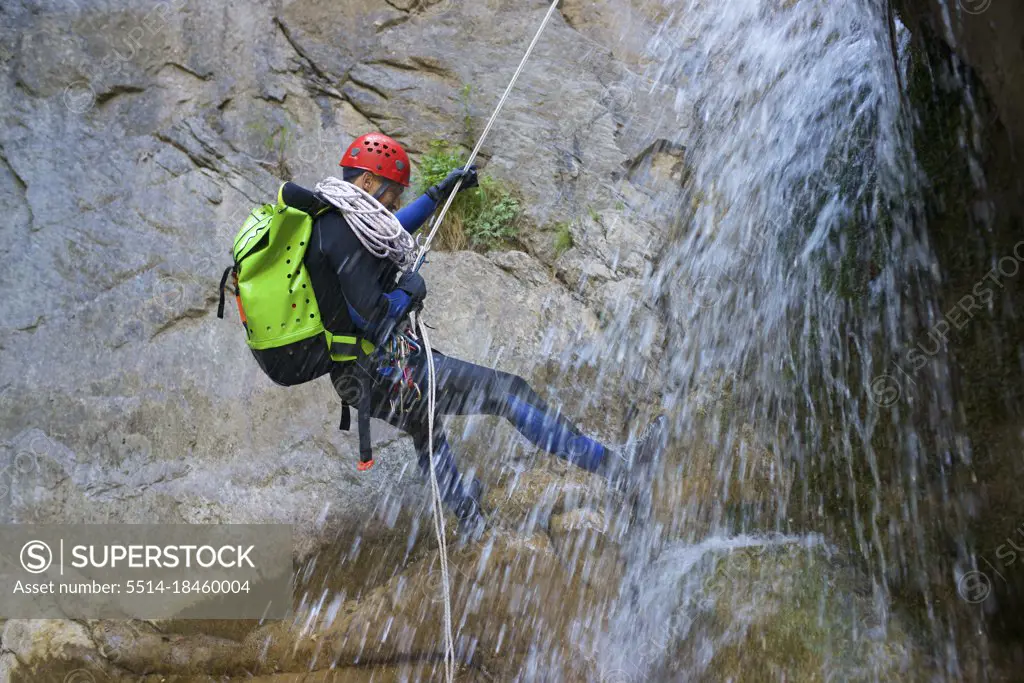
[[417, 323], [382, 235], [376, 227]]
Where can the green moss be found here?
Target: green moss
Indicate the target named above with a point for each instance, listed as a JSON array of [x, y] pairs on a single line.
[[563, 239], [813, 621], [494, 222], [483, 218]]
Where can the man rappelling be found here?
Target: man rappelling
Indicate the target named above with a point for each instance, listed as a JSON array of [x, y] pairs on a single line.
[[326, 284]]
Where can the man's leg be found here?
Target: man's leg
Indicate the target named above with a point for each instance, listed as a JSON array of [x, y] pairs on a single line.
[[346, 380], [467, 389]]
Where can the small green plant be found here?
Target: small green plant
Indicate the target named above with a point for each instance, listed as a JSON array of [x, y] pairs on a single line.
[[273, 146], [594, 216], [620, 205], [563, 239], [495, 223], [483, 218]]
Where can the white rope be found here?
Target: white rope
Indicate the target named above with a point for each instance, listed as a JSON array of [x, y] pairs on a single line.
[[449, 650], [425, 247], [442, 541], [375, 226]]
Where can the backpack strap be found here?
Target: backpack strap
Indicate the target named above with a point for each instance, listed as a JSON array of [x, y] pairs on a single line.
[[361, 349], [223, 284], [232, 272], [302, 199], [364, 407]]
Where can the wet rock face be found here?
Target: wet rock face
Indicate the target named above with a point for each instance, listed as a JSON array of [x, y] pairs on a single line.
[[986, 36], [136, 137], [804, 624], [965, 87]]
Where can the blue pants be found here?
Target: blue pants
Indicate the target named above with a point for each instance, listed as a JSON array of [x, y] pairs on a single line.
[[467, 389]]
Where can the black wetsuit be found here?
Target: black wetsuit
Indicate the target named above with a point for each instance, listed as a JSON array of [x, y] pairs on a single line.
[[355, 294]]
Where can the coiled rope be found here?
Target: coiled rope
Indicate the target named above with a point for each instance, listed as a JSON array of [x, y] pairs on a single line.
[[375, 226], [417, 322]]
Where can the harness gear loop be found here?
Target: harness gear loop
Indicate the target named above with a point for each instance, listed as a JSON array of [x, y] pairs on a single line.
[[394, 366]]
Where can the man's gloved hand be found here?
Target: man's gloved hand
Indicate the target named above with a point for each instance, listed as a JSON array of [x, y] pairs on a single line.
[[414, 285], [407, 296], [441, 191]]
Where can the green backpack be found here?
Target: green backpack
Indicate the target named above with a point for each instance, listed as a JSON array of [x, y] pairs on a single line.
[[275, 296], [272, 287]]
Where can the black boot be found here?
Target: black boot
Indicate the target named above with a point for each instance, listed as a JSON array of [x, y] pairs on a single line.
[[467, 509], [630, 468], [651, 444]]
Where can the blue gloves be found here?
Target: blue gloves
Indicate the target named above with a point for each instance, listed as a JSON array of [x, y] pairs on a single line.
[[408, 295], [414, 285]]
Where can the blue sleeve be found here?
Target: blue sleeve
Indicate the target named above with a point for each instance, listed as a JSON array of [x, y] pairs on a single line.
[[416, 214]]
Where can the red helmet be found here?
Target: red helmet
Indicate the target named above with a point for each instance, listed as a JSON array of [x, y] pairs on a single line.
[[379, 154]]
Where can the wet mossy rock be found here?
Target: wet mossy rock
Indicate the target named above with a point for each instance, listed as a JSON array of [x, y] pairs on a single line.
[[814, 621], [972, 90]]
